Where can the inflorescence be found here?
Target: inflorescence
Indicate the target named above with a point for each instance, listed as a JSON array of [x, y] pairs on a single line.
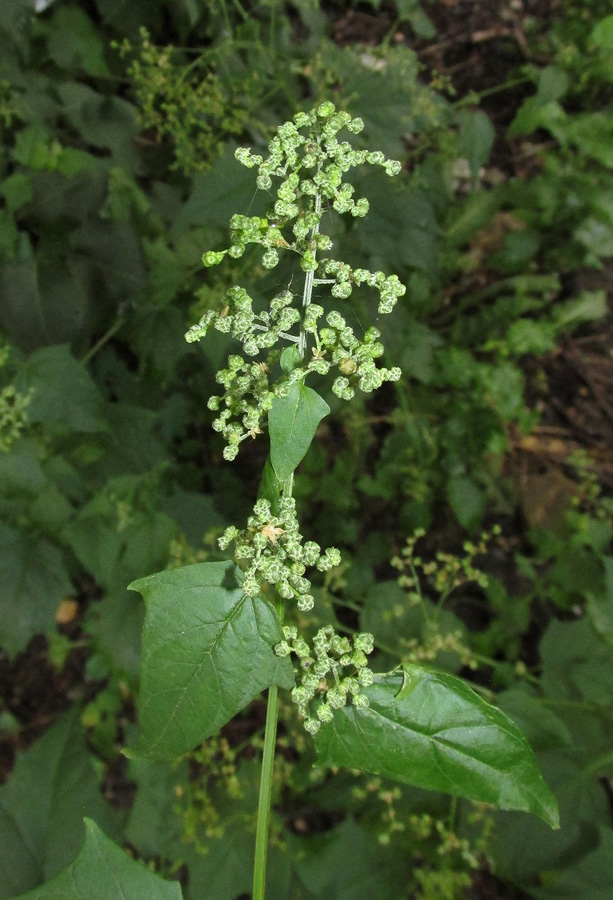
[[322, 673], [311, 162], [273, 547]]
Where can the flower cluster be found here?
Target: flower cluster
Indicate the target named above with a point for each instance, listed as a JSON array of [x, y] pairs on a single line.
[[354, 358], [310, 161], [323, 685], [13, 407], [272, 545], [302, 199]]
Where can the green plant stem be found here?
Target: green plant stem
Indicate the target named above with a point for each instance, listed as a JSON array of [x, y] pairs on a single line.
[[264, 801], [106, 337], [308, 282]]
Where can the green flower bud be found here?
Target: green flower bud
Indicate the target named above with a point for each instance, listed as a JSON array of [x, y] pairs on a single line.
[[325, 110], [270, 259], [213, 257], [312, 726]]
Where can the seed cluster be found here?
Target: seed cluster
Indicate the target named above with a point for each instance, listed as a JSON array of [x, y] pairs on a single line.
[[276, 554], [322, 673], [310, 162]]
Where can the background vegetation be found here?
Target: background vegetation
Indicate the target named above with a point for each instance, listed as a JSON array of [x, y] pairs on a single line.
[[118, 123]]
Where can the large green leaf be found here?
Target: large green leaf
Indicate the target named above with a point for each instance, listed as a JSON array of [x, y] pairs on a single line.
[[467, 500], [600, 605], [292, 422], [475, 138], [348, 863], [590, 878], [115, 626], [62, 391], [431, 730], [602, 33], [521, 847], [102, 871], [270, 486], [75, 42], [34, 580], [52, 787], [153, 825], [217, 194], [207, 652]]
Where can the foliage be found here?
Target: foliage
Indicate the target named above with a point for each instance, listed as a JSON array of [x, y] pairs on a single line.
[[108, 471]]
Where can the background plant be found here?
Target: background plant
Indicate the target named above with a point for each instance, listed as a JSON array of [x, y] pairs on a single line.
[[82, 187]]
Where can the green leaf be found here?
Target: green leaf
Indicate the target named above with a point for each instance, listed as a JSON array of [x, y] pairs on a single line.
[[217, 194], [63, 392], [34, 580], [530, 336], [467, 500], [543, 109], [386, 614], [270, 487], [589, 878], [593, 134], [596, 237], [20, 470], [552, 85], [153, 825], [194, 513], [96, 544], [292, 422], [523, 848], [578, 666], [600, 606], [115, 626], [290, 359], [475, 138], [227, 864], [419, 344], [207, 652], [412, 12], [589, 306], [468, 216], [16, 190], [537, 721], [348, 863], [102, 871], [602, 33], [401, 226], [52, 786], [432, 731], [75, 42]]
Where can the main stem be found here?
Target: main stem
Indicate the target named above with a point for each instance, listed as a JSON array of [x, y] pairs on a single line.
[[264, 802], [272, 708], [308, 282]]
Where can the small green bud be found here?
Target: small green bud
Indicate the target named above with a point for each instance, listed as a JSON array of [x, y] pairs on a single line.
[[312, 726], [325, 110], [270, 259], [213, 257], [324, 713], [341, 290]]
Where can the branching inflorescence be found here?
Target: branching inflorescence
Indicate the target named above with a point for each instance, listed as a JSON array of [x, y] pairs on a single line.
[[309, 162]]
